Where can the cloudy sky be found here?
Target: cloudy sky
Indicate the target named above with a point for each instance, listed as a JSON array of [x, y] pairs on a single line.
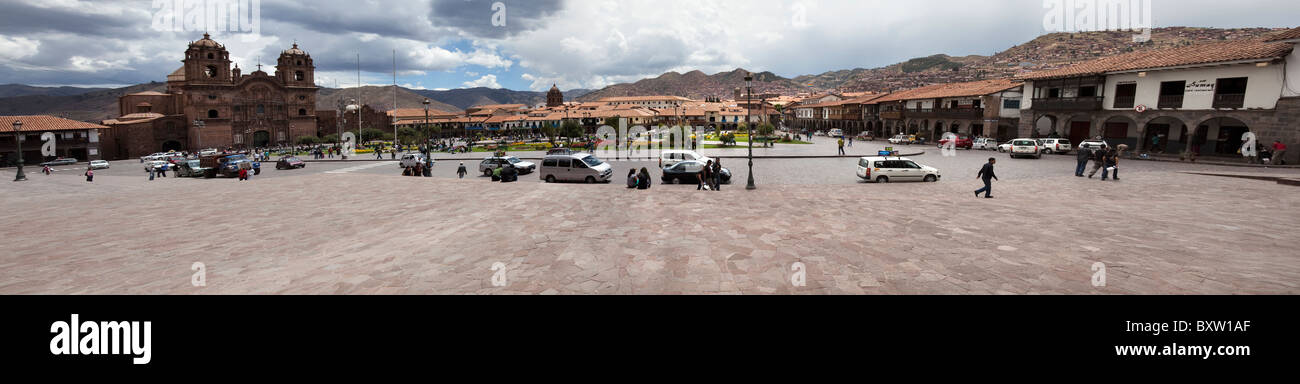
[[443, 44]]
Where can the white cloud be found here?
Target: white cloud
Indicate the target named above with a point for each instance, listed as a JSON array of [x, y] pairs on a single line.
[[487, 81], [14, 48]]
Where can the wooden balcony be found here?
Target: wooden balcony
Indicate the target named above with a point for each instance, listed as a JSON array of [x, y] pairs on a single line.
[[1170, 102], [947, 113], [1229, 101], [891, 115], [1124, 102], [1069, 104]]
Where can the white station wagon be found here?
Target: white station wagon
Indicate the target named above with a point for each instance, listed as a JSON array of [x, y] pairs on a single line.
[[891, 169]]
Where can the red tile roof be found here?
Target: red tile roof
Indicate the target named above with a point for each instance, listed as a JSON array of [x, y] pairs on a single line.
[[1291, 34], [44, 124], [1209, 53]]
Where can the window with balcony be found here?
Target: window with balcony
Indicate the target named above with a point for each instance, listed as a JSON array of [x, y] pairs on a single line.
[[1088, 91], [1230, 93], [1125, 95], [1010, 104], [1171, 94]]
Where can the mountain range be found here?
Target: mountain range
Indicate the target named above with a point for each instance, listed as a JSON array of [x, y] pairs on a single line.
[[1045, 52]]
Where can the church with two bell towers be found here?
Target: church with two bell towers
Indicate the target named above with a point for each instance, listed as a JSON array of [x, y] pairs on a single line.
[[211, 104]]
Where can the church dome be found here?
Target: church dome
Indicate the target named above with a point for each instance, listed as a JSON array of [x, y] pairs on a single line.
[[294, 51], [206, 42]]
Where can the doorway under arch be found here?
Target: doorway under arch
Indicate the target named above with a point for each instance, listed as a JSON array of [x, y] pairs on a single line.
[[172, 145], [261, 139], [1222, 135]]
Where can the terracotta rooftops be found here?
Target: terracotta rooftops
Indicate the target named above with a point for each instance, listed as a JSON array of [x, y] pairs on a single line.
[[1290, 34], [43, 123], [1209, 53]]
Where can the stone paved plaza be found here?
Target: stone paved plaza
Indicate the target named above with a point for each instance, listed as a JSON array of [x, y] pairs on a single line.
[[1157, 232]]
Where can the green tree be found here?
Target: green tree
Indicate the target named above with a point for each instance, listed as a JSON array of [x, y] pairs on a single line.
[[570, 129], [765, 129], [611, 121], [308, 140], [371, 134], [550, 131], [728, 139], [330, 138], [408, 134]]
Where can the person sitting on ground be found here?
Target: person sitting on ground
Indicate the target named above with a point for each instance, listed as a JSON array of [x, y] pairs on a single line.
[[632, 179], [643, 180]]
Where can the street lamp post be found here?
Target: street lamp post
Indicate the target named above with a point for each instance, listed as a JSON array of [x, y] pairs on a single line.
[[749, 127], [428, 155], [18, 138], [198, 127], [352, 106]]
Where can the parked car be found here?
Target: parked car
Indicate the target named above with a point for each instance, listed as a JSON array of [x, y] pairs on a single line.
[[891, 169], [154, 165], [670, 158], [98, 164], [290, 162], [819, 133], [583, 167], [411, 159], [1094, 144], [60, 161], [1005, 147], [899, 139], [191, 168], [228, 165], [985, 144], [835, 133], [865, 136], [492, 163], [1026, 148], [962, 142], [688, 172], [1056, 146]]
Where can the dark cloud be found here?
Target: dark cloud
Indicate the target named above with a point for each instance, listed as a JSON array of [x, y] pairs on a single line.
[[474, 17], [19, 18]]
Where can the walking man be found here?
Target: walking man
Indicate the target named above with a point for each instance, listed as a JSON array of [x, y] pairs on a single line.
[[1279, 150], [986, 174], [841, 144], [1084, 155], [460, 172]]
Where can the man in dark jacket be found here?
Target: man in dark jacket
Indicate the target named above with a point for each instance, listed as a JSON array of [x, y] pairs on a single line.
[[1084, 155], [988, 176], [1111, 165], [1098, 159]]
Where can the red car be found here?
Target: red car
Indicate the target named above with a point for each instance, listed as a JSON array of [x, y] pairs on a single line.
[[963, 142], [290, 162]]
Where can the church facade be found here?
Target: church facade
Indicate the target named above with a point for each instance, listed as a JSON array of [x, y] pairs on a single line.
[[210, 104]]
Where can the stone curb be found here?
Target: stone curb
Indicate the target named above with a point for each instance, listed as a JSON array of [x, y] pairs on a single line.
[[1283, 180]]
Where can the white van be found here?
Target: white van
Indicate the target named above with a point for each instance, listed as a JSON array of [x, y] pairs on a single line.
[[835, 133], [583, 167], [891, 169]]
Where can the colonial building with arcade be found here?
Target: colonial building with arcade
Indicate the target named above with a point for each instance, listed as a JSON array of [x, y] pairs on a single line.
[[210, 104]]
